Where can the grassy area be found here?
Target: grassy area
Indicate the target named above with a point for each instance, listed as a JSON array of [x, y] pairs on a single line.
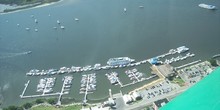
[[178, 81], [72, 107], [44, 108]]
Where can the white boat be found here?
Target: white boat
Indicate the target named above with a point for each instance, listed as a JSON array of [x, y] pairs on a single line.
[[141, 6], [119, 61], [58, 22], [76, 19], [210, 7], [182, 49], [27, 29], [36, 30], [125, 9], [35, 21], [62, 27]]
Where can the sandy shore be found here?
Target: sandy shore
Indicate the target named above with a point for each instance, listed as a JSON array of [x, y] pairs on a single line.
[[28, 7]]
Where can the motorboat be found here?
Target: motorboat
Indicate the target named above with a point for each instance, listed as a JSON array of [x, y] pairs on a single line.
[[210, 7]]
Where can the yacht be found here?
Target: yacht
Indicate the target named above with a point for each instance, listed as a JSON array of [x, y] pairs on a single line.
[[119, 61], [35, 21], [76, 19], [28, 52], [27, 29], [58, 22], [182, 49], [210, 7], [141, 6], [125, 9], [62, 27]]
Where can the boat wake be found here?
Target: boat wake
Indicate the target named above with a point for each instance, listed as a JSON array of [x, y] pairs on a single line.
[[5, 87], [9, 55]]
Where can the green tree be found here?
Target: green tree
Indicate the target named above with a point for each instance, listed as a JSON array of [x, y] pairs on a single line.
[[5, 109], [51, 101], [12, 107], [38, 101], [20, 108], [213, 62], [27, 105]]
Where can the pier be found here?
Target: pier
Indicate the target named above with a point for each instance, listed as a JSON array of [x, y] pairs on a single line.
[[119, 82], [134, 75], [145, 79], [86, 92], [188, 64], [26, 85], [41, 95], [89, 81], [67, 81]]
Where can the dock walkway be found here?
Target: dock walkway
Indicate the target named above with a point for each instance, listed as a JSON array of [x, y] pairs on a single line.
[[26, 85], [191, 63]]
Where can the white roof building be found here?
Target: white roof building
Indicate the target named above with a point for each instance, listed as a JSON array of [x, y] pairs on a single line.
[[136, 96], [127, 98]]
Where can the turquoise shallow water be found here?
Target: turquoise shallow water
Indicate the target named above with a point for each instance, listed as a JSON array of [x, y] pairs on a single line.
[[103, 31]]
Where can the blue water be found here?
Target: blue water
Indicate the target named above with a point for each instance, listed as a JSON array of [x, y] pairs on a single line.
[[103, 31]]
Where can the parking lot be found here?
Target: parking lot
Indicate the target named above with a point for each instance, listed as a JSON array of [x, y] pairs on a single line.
[[195, 73], [160, 89]]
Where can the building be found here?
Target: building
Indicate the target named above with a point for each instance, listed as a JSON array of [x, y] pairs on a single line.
[[135, 96], [160, 103], [166, 69], [127, 98]]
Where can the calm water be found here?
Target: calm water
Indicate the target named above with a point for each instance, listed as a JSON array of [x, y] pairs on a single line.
[[103, 31]]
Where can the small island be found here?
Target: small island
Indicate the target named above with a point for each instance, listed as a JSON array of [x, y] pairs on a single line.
[[14, 5]]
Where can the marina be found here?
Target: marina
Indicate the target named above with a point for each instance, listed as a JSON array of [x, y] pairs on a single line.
[[45, 87], [113, 78]]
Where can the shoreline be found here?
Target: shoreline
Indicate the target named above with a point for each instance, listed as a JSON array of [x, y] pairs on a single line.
[[27, 7]]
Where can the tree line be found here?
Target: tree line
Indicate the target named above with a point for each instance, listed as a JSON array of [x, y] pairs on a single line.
[[28, 105]]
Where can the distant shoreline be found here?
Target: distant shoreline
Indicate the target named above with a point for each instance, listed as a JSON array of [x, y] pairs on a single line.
[[17, 8]]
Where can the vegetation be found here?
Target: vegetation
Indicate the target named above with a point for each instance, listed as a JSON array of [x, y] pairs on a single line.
[[52, 101], [171, 77], [213, 62], [179, 81], [72, 107], [12, 107], [39, 101], [28, 105]]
